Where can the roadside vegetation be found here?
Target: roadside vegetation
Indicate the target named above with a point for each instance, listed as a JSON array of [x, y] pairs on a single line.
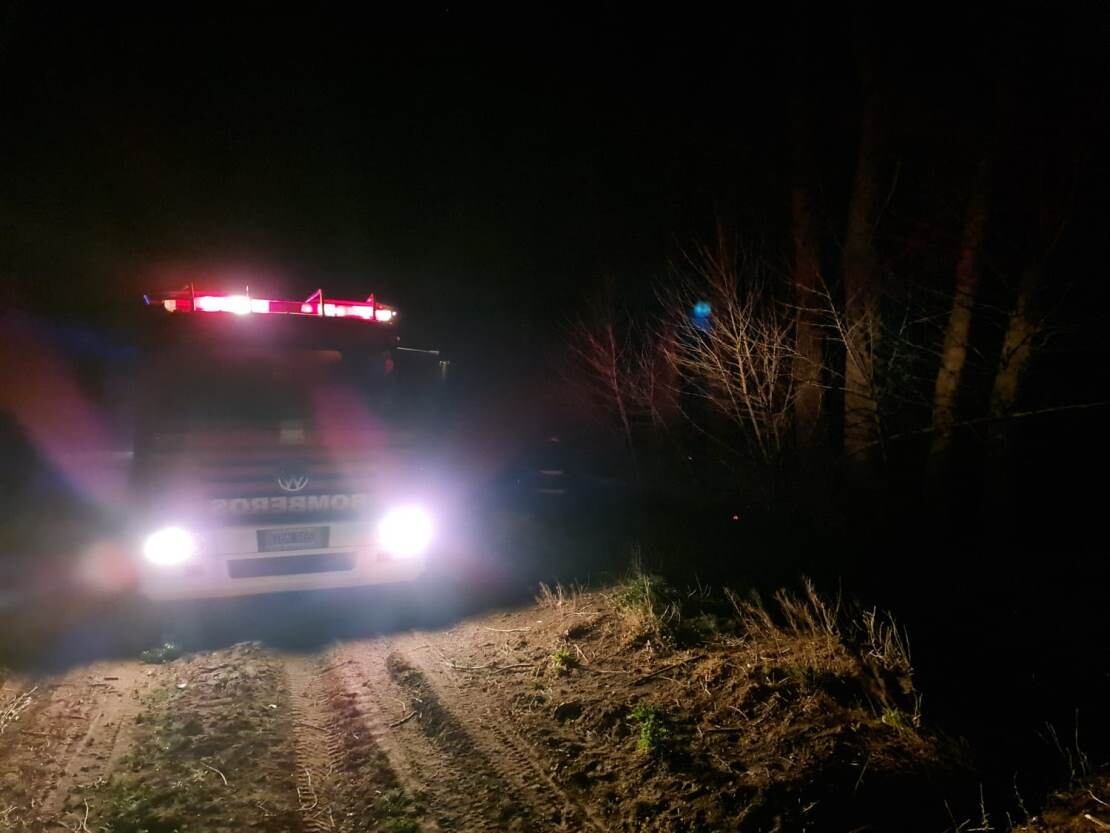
[[1081, 808], [883, 392], [707, 710], [13, 701], [651, 724], [727, 710], [166, 652]]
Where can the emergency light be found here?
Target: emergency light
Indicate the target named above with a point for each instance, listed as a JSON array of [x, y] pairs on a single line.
[[188, 300]]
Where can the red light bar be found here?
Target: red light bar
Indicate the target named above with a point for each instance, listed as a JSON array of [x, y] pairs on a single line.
[[316, 304]]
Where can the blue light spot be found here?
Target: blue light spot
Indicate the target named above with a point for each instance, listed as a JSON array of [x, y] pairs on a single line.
[[702, 309]]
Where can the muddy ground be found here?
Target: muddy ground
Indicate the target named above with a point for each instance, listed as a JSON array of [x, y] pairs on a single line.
[[581, 712]]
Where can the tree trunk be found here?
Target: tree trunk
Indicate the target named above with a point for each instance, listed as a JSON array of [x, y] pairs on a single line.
[[807, 360], [808, 354], [861, 297], [1000, 492], [1017, 350], [954, 351]]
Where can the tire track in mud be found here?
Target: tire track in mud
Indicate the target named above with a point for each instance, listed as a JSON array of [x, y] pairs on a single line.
[[318, 750], [456, 786], [490, 763], [362, 675], [493, 734], [68, 740], [459, 785], [108, 737], [489, 801], [342, 775]]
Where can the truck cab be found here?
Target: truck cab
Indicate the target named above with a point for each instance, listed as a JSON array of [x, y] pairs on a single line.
[[282, 445]]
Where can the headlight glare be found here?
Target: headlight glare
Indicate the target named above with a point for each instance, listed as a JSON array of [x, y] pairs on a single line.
[[169, 547], [406, 531]]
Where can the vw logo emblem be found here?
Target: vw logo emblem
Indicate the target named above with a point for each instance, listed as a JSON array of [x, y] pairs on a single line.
[[292, 481]]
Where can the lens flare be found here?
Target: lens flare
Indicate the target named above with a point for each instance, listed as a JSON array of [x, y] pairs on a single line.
[[169, 547], [406, 531]]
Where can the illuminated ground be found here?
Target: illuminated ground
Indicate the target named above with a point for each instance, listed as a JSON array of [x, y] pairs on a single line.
[[596, 711]]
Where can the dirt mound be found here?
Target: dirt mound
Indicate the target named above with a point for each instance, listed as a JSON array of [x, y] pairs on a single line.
[[788, 716], [1081, 809]]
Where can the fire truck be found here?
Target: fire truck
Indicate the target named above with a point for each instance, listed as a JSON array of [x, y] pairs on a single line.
[[282, 445]]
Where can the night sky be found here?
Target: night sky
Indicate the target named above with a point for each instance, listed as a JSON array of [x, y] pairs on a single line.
[[485, 171]]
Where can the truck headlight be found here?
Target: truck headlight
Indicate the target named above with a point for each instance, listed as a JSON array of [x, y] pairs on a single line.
[[406, 531], [169, 547]]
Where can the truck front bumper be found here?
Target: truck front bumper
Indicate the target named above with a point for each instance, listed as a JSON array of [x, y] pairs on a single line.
[[229, 562]]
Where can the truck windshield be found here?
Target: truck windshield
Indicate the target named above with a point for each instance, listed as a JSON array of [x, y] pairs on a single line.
[[259, 389]]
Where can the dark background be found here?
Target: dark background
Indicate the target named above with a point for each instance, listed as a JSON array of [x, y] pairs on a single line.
[[484, 169]]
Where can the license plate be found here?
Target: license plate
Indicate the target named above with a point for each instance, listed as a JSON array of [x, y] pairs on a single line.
[[290, 565], [294, 538]]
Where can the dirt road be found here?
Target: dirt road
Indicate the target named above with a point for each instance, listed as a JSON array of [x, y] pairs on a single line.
[[375, 734], [553, 717]]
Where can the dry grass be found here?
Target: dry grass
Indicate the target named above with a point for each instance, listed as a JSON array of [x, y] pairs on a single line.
[[805, 631], [13, 708], [647, 607], [807, 616], [811, 618], [886, 643], [1083, 808], [559, 597], [811, 638]]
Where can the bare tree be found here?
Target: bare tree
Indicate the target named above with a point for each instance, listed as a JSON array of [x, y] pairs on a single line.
[[621, 366], [900, 358], [1025, 327], [600, 359], [861, 275], [806, 278], [739, 359]]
